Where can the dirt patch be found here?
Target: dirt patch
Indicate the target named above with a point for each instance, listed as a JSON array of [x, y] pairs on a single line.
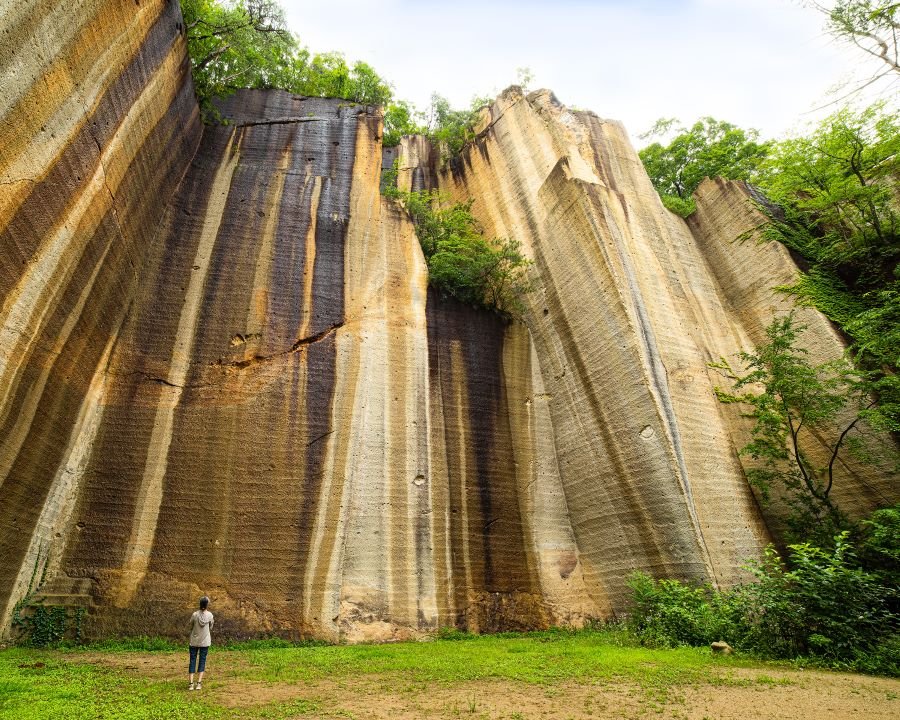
[[166, 665], [733, 694], [744, 696]]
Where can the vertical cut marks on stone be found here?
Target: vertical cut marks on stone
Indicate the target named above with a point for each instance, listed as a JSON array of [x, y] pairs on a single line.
[[53, 525], [26, 306], [149, 499]]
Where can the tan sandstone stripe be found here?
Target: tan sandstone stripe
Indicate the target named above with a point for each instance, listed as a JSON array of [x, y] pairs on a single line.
[[25, 308], [259, 304], [43, 114], [461, 395], [344, 474], [12, 443], [149, 499], [421, 591], [51, 530], [309, 263]]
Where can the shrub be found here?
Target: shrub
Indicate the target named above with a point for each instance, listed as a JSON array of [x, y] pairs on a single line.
[[821, 604], [462, 262], [669, 613]]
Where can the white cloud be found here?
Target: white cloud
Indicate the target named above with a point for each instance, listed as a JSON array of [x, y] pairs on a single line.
[[757, 63]]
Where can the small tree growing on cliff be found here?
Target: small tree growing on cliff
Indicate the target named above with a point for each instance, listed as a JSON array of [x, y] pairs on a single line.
[[462, 262], [790, 399]]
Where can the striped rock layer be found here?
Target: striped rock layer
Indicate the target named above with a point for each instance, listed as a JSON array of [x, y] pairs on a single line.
[[222, 370]]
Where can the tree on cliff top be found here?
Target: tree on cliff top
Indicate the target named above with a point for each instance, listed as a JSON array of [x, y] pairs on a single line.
[[239, 44], [246, 44], [710, 148]]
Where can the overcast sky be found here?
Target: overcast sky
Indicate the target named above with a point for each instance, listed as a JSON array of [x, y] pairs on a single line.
[[756, 63]]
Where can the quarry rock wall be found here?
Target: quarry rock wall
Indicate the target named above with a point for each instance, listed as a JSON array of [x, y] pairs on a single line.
[[99, 125], [223, 370], [630, 305]]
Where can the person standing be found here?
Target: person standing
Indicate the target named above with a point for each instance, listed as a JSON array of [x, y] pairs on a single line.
[[201, 623]]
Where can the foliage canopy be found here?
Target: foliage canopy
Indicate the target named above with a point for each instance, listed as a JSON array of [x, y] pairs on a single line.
[[245, 44], [709, 148], [462, 262]]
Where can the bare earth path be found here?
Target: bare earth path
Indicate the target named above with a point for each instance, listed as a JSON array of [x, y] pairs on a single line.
[[729, 692]]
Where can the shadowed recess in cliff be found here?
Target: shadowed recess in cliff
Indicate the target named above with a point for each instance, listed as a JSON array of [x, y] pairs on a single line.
[[491, 583]]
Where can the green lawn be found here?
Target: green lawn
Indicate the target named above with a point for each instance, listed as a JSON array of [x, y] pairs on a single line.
[[62, 683]]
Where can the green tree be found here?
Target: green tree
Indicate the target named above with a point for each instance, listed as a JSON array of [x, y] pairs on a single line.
[[710, 148], [243, 43], [451, 129], [842, 178], [790, 401], [401, 118], [462, 262], [329, 75], [837, 206], [447, 128], [872, 26]]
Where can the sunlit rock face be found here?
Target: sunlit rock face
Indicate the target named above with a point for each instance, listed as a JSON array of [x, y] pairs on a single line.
[[99, 124], [631, 304], [223, 371]]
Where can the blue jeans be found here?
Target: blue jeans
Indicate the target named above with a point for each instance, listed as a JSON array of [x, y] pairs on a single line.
[[194, 652]]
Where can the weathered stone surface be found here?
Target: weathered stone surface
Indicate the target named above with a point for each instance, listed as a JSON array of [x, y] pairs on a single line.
[[99, 123], [631, 305], [222, 369]]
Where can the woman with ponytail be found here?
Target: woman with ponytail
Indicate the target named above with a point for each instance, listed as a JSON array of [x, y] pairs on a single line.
[[201, 623]]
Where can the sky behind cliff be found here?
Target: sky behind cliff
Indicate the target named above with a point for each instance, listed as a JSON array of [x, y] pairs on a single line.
[[756, 63]]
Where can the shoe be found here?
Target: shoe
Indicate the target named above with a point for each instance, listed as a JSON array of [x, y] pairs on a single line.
[[198, 686], [190, 686]]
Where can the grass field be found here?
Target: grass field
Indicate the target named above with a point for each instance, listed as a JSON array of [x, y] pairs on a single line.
[[538, 675]]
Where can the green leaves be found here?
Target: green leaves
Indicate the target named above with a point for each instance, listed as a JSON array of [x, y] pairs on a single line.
[[245, 44], [836, 188], [821, 603], [448, 129], [840, 181], [461, 261], [710, 148], [793, 402], [401, 118], [869, 25], [235, 44], [451, 129]]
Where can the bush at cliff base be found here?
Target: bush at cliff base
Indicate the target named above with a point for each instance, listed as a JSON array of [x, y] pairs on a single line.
[[835, 606]]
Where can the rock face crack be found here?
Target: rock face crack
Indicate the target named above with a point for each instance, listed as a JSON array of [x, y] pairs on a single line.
[[162, 381], [296, 347], [321, 437], [302, 342], [282, 121], [112, 196]]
